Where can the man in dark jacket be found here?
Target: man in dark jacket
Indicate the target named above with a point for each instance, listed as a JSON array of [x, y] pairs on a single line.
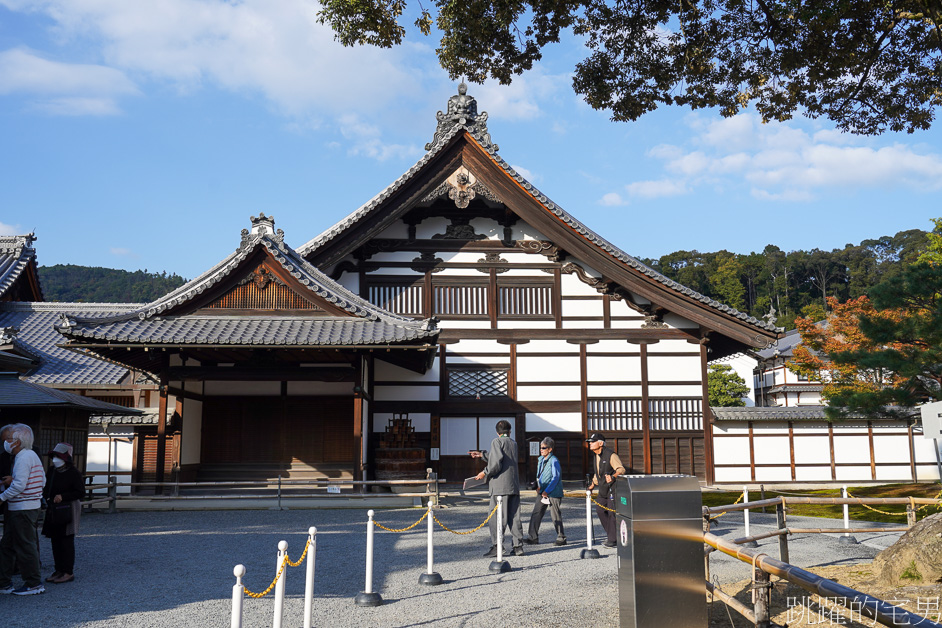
[[607, 466], [503, 479]]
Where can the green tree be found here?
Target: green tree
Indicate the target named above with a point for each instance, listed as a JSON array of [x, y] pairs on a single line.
[[904, 338], [725, 281], [933, 252], [867, 65], [725, 386]]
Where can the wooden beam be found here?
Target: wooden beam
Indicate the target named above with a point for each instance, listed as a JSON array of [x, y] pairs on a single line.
[[161, 433], [708, 453], [645, 412]]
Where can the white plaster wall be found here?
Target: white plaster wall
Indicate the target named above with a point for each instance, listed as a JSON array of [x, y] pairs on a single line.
[[573, 286], [894, 473], [476, 346], [625, 324], [390, 372], [813, 474], [890, 448], [520, 324], [191, 438], [395, 256], [464, 324], [524, 231], [406, 393], [694, 390], [730, 450], [547, 393], [609, 369], [675, 368], [772, 450], [554, 422], [488, 227], [810, 450], [773, 474], [537, 369], [725, 475], [404, 272], [421, 421], [460, 360], [613, 391], [245, 389], [582, 308], [851, 449], [122, 456], [431, 226], [548, 346], [350, 281], [614, 346], [744, 366], [854, 474], [679, 322]]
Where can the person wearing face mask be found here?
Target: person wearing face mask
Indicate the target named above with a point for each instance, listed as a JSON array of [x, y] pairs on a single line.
[[22, 495], [64, 490]]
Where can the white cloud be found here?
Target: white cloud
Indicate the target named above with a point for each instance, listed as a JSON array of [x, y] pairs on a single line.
[[783, 162], [63, 88], [122, 252], [365, 139], [526, 174], [521, 99], [657, 189], [6, 229], [612, 199]]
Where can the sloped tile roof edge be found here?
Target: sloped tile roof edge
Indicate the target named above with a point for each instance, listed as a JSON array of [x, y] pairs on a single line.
[[57, 397], [20, 247], [550, 206], [782, 413]]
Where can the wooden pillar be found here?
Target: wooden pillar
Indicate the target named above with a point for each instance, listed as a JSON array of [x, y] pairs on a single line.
[[645, 411], [358, 462], [831, 444], [161, 433], [584, 406], [708, 458]]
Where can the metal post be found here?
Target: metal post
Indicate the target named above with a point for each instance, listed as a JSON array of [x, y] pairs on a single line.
[[112, 494], [500, 565], [280, 584], [706, 555], [309, 580], [910, 515], [846, 538], [745, 498], [368, 597], [761, 588], [430, 577], [237, 591], [588, 552], [782, 538]]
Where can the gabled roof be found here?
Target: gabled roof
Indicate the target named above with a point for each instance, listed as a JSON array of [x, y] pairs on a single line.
[[462, 121], [38, 337], [18, 262], [170, 319], [783, 348], [14, 392]]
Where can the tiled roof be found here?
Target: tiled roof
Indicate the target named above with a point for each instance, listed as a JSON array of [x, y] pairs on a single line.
[[482, 138], [370, 324], [16, 254], [145, 416], [780, 413], [783, 348], [38, 336], [16, 392], [807, 387]]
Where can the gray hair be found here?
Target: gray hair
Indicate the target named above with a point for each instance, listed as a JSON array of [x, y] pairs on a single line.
[[548, 442], [6, 429], [22, 433]]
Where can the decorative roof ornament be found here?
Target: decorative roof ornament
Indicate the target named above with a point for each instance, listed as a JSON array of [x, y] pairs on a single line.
[[462, 110]]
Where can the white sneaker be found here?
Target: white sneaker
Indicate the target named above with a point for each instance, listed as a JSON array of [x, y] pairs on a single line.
[[25, 590]]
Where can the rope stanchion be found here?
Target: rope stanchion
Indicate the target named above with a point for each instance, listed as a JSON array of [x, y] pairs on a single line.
[[500, 565], [237, 591], [309, 581], [279, 610], [379, 525], [270, 587], [589, 551], [430, 577], [368, 597], [469, 531]]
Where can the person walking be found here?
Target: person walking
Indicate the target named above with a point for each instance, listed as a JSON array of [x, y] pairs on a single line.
[[64, 490], [22, 496], [549, 493], [503, 479], [607, 466]]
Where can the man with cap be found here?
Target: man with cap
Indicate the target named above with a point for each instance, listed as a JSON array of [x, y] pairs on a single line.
[[606, 466]]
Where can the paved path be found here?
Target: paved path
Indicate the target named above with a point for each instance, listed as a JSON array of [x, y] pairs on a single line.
[[158, 569]]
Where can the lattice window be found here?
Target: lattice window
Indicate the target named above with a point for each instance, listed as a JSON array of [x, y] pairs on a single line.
[[676, 414], [477, 382], [399, 298], [525, 301], [270, 296], [466, 301], [664, 415], [608, 415]]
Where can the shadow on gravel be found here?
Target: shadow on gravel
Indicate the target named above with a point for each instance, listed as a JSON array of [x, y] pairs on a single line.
[[439, 620]]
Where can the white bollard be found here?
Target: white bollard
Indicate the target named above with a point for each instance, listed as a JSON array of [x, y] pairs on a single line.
[[500, 565], [588, 552], [368, 597], [280, 584], [745, 498], [430, 577], [309, 582], [237, 592], [846, 538]]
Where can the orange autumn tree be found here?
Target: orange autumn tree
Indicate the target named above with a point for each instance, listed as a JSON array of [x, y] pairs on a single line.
[[840, 333]]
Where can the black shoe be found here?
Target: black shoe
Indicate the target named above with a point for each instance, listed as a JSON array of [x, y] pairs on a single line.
[[560, 542], [530, 541], [518, 550], [610, 544], [491, 552]]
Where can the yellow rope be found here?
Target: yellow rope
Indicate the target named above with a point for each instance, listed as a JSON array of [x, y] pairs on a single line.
[[287, 560], [741, 495], [898, 514], [379, 525], [603, 507], [469, 531]]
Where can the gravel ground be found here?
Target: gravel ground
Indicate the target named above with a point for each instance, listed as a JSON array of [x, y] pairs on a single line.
[[175, 569]]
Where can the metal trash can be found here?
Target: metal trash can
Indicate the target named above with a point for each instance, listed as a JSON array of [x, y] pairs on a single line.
[[660, 551]]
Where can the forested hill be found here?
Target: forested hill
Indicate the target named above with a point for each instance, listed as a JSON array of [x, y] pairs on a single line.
[[794, 283], [66, 282]]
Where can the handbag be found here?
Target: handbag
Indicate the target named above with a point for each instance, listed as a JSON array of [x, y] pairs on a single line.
[[59, 514]]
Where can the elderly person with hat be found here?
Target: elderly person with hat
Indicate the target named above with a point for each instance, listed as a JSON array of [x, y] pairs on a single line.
[[606, 466], [64, 490]]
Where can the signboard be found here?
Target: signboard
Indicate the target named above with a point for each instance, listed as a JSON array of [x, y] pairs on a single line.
[[534, 448], [932, 419], [435, 453]]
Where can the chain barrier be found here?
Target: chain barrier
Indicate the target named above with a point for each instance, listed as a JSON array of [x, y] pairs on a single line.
[[741, 495], [379, 525], [897, 514], [287, 561], [469, 531], [603, 507]]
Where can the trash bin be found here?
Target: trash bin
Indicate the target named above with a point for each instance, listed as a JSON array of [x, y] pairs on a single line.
[[660, 551]]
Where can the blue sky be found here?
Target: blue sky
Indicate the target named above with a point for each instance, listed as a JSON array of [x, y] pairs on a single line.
[[143, 135]]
